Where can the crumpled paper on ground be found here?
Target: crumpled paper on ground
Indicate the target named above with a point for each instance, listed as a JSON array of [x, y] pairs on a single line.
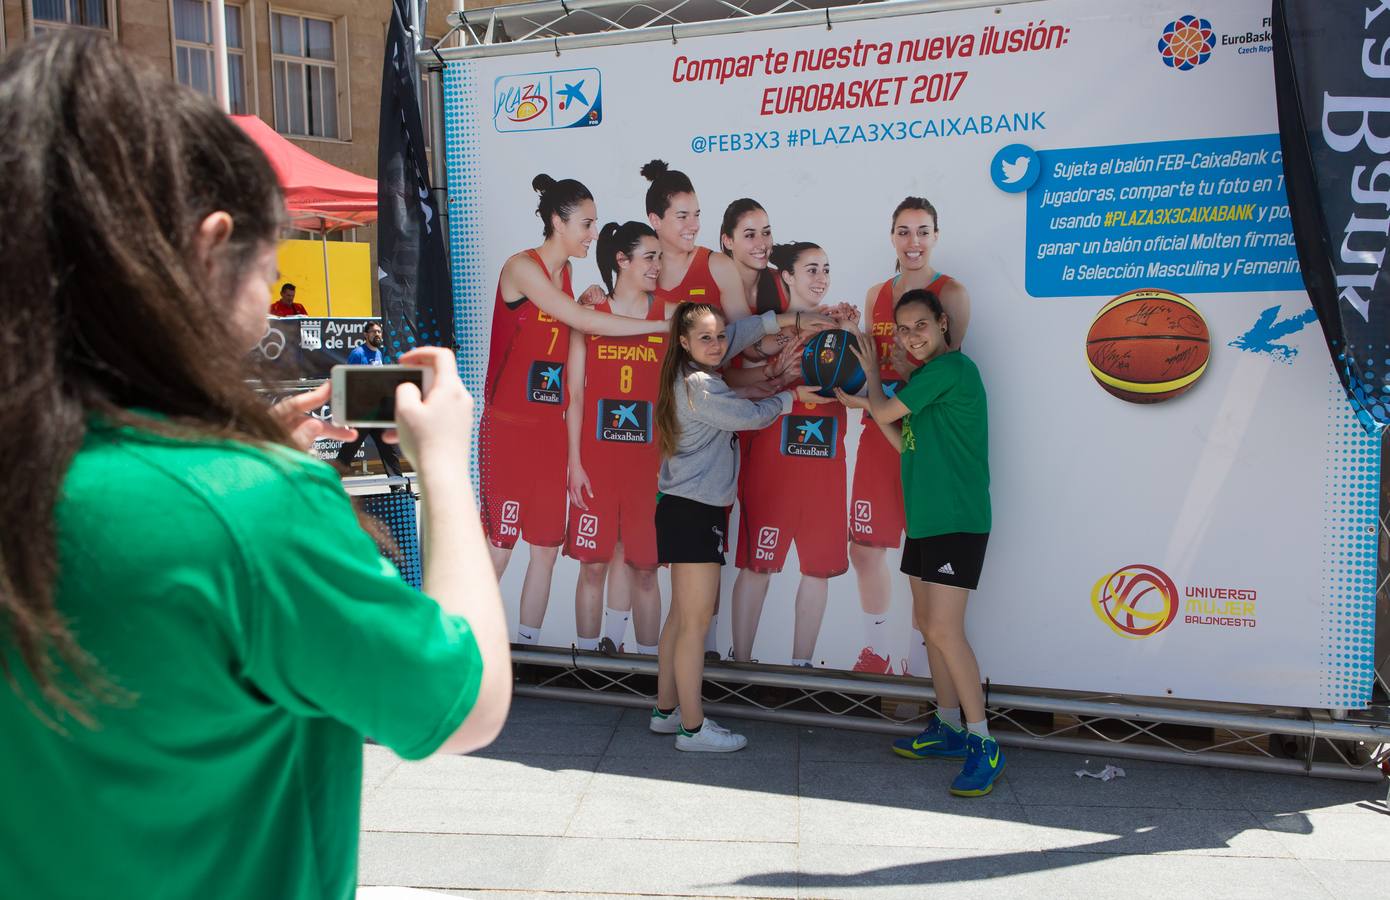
[[1107, 774]]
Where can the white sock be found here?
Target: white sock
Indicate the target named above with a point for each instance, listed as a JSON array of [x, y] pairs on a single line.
[[876, 632], [525, 634], [712, 636], [951, 716], [615, 625], [981, 728], [800, 662], [647, 649], [917, 662], [584, 643]]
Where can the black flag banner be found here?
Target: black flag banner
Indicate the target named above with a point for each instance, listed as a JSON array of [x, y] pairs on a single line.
[[412, 266], [1332, 80]]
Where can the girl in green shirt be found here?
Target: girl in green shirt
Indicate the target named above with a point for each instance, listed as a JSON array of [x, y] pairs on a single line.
[[196, 631], [944, 442]]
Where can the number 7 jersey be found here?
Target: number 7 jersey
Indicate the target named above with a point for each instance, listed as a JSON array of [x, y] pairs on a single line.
[[526, 360]]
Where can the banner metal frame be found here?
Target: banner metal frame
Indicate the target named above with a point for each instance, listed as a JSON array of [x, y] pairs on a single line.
[[1329, 743]]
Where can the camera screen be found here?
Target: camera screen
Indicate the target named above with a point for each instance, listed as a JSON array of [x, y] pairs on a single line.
[[370, 392]]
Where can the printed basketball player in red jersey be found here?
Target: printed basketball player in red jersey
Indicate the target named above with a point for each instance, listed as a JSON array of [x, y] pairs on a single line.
[[521, 454], [876, 496], [805, 447], [613, 456], [688, 271]]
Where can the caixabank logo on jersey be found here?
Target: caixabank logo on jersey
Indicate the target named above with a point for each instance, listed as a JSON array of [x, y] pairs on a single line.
[[625, 421], [544, 101], [812, 437], [545, 383], [1139, 601]]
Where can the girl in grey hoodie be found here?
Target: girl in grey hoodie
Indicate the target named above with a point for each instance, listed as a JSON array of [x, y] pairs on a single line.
[[697, 414]]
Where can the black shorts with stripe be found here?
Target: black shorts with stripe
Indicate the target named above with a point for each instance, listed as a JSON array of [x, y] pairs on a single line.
[[954, 559]]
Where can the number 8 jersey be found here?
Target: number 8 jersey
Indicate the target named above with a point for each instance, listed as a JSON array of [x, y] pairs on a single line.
[[617, 445]]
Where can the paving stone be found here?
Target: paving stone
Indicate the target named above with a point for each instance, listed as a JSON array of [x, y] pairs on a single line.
[[468, 812], [1208, 832]]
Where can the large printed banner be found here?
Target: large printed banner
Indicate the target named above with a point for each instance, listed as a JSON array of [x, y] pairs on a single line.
[[1184, 504]]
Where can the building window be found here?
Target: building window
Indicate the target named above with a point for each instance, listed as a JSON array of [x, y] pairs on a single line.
[[193, 50], [305, 71], [85, 13]]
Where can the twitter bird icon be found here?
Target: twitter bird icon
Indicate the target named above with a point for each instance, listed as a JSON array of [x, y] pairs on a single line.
[[1015, 168]]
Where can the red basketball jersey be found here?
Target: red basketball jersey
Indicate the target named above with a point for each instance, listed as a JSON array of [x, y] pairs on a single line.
[[697, 286], [526, 360], [883, 327], [622, 377]]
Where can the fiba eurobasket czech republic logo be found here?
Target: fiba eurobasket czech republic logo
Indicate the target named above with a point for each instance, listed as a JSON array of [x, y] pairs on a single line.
[[1186, 43]]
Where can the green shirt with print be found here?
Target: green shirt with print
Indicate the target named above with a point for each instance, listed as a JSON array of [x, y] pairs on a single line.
[[945, 459], [256, 635]]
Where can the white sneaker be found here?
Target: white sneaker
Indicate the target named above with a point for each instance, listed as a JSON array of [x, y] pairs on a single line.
[[659, 724], [711, 738]]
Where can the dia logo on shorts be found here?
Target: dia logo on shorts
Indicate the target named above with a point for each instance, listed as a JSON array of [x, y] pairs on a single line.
[[588, 529], [767, 542], [863, 515], [511, 515]]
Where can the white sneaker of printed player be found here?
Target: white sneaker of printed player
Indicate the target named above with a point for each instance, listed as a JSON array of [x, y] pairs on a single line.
[[711, 738], [665, 724]]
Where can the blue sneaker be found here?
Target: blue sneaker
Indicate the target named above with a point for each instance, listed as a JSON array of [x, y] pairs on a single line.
[[938, 741], [984, 762]]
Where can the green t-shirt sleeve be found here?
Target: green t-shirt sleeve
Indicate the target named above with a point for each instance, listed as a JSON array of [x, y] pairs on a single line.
[[331, 629], [929, 384]]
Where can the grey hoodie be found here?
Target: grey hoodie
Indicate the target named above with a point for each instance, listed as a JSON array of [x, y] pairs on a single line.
[[705, 467]]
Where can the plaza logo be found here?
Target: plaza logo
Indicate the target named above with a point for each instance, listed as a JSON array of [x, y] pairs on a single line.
[[1186, 43], [544, 101], [1135, 601]]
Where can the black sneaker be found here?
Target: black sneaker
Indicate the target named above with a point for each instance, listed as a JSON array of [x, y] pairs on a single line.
[[607, 648]]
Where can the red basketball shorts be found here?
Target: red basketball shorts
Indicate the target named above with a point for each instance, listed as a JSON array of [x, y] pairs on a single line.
[[622, 508], [522, 464], [876, 499], [794, 501]]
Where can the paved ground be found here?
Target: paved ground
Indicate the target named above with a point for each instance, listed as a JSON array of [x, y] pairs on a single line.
[[580, 800]]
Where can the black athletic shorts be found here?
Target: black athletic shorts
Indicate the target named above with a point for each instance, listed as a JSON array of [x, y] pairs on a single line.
[[688, 531], [953, 559]]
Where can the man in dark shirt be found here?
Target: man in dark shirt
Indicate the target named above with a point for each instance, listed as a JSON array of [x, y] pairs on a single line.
[[368, 353], [286, 306]]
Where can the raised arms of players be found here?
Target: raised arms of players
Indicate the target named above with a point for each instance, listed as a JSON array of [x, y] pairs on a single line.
[[522, 277]]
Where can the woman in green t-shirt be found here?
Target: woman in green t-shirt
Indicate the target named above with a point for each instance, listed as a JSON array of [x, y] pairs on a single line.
[[944, 442], [196, 630]]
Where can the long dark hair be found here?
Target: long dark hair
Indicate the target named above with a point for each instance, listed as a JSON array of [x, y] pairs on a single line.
[[768, 294], [615, 239], [666, 183], [558, 198], [110, 171], [676, 364]]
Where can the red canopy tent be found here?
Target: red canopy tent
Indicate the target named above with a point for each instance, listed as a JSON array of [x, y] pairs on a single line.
[[320, 196]]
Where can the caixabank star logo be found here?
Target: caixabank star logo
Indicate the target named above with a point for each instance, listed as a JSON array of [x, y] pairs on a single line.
[[1186, 43], [1136, 601]]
